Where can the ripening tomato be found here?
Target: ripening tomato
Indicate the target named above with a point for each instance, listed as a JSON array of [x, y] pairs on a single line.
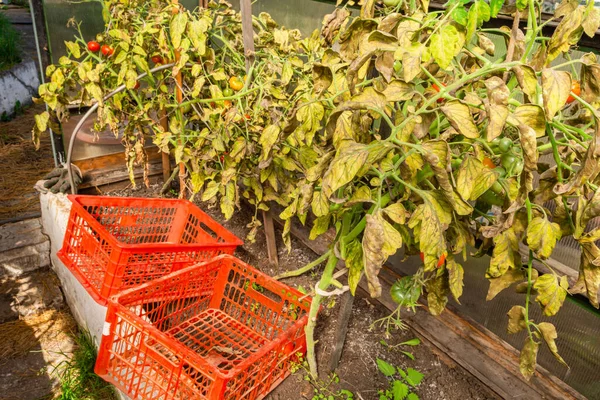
[[157, 59], [488, 163], [236, 83], [137, 85], [93, 46], [437, 89], [576, 89], [107, 50], [442, 260], [227, 103]]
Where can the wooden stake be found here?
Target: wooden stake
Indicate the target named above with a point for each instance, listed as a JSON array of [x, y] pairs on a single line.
[[179, 96], [341, 331], [248, 38], [166, 161]]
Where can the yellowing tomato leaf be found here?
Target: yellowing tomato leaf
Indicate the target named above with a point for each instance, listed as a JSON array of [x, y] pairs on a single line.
[[549, 335], [516, 319], [552, 292], [542, 236], [445, 45], [528, 358], [460, 118], [504, 281], [556, 86]]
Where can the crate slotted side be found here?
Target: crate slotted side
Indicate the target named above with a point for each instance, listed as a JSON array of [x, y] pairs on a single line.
[[217, 330], [114, 243]]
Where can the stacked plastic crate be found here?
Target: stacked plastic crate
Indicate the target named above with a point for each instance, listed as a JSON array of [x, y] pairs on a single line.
[[185, 319]]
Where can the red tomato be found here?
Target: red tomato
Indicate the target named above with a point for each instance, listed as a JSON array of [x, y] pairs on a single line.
[[93, 46], [422, 256], [157, 59], [247, 116], [107, 50], [137, 85], [488, 163], [442, 260], [575, 88], [437, 89]]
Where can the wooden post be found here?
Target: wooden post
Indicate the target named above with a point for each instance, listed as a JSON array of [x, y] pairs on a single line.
[[179, 96], [248, 39], [166, 161], [342, 330]]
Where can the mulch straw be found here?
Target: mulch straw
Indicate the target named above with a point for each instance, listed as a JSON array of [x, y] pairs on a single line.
[[21, 166], [21, 336]]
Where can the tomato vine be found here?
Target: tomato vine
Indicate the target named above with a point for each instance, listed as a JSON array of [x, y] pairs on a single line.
[[396, 128]]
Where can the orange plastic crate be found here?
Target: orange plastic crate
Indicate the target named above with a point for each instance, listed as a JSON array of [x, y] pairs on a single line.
[[216, 330], [113, 243]]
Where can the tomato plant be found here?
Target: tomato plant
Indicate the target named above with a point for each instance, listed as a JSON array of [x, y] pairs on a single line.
[[345, 129]]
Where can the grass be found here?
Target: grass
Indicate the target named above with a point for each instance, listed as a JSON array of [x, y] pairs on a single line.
[[77, 378], [10, 53]]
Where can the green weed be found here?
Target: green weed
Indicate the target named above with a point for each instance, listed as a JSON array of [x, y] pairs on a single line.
[[10, 52]]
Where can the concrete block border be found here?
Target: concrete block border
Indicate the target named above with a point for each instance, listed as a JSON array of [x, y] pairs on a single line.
[[19, 83]]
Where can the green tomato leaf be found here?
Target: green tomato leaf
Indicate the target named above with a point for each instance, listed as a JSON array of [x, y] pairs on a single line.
[[478, 14], [445, 45], [549, 335], [552, 292], [542, 236], [495, 7]]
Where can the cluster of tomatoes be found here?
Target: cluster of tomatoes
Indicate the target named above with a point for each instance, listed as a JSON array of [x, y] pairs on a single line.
[[94, 47]]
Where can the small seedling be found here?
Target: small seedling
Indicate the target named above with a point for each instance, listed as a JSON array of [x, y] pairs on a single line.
[[411, 342], [401, 382], [321, 388]]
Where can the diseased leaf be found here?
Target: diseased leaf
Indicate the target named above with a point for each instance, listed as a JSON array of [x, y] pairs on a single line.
[[479, 12], [373, 255], [528, 358], [567, 33], [211, 191], [267, 140], [445, 45], [456, 275], [505, 255], [355, 264], [460, 118], [530, 115], [531, 154], [589, 273], [496, 106], [437, 294], [396, 212], [551, 292], [504, 281], [344, 167], [320, 226], [473, 178], [549, 335], [591, 19], [320, 204], [516, 319], [314, 173], [398, 91], [556, 86], [527, 80], [74, 49], [542, 236], [411, 61]]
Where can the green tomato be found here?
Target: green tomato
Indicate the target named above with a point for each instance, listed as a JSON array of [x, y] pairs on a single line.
[[518, 167], [504, 145], [508, 162], [391, 3], [227, 92], [405, 291], [186, 108], [501, 172], [497, 188], [490, 198], [397, 66]]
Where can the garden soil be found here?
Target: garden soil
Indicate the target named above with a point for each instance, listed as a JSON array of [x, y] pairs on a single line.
[[357, 371]]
